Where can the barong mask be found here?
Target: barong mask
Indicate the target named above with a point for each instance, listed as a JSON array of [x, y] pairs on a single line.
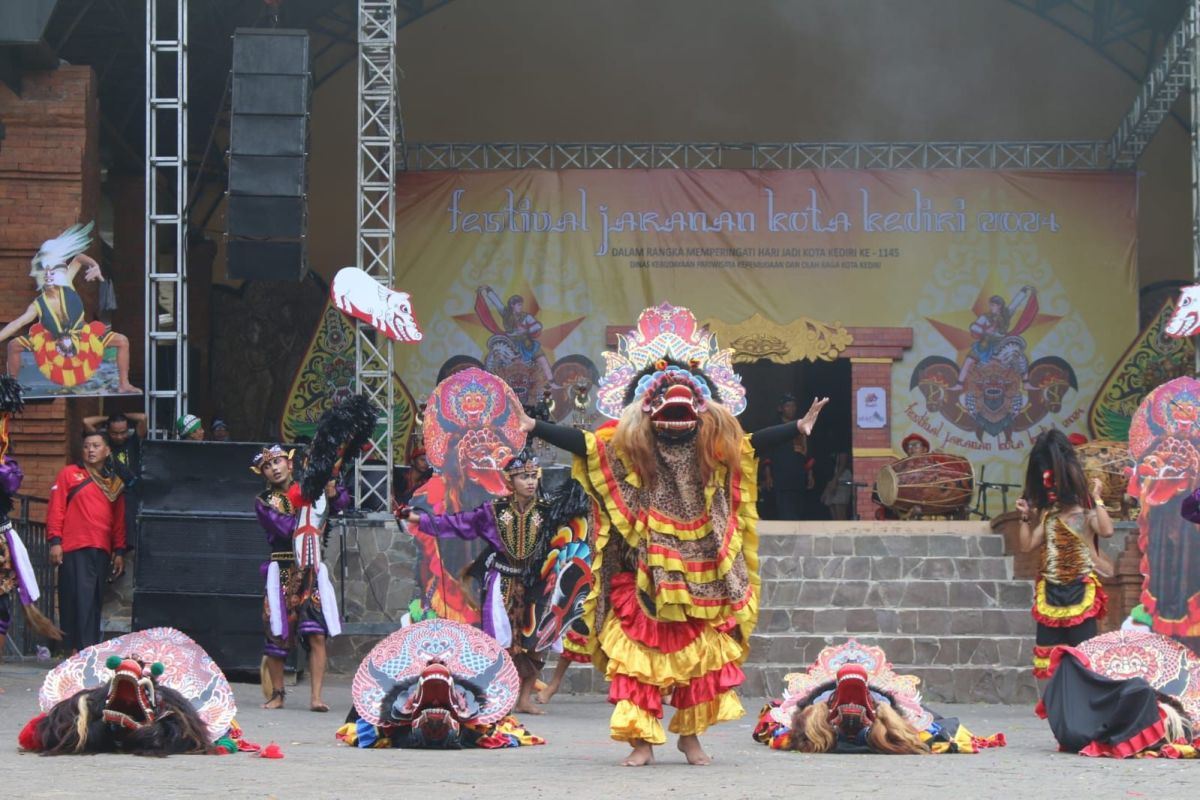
[[851, 708], [674, 400], [435, 705], [132, 701], [667, 349]]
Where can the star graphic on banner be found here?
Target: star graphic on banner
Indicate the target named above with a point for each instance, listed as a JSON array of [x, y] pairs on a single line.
[[955, 326], [556, 325]]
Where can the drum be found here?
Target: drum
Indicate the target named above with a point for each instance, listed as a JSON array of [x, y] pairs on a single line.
[[937, 483], [1107, 461]]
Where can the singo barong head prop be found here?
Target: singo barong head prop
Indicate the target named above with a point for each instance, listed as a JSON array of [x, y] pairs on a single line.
[[55, 254], [672, 367]]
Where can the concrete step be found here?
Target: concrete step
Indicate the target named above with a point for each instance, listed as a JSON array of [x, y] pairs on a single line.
[[800, 650], [864, 544], [910, 621], [886, 567], [790, 594], [944, 684]]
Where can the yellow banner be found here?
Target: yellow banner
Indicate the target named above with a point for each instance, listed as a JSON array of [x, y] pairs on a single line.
[[1019, 287]]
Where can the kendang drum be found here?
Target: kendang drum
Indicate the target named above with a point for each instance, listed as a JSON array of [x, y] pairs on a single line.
[[929, 483], [1110, 462]]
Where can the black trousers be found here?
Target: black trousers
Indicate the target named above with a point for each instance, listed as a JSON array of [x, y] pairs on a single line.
[[80, 595]]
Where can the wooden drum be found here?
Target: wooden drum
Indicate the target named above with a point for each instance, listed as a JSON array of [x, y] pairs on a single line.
[[1108, 461], [937, 483]]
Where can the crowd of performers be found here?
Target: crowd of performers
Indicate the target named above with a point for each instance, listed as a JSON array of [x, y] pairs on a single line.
[[644, 564]]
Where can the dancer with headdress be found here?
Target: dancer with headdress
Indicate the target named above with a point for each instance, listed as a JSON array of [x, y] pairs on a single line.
[[1059, 515], [676, 553], [300, 601], [518, 603], [16, 571]]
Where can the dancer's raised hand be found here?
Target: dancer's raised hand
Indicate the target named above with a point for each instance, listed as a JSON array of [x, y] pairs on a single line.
[[806, 423]]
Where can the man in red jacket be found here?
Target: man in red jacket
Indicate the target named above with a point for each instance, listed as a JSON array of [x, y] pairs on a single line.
[[86, 529]]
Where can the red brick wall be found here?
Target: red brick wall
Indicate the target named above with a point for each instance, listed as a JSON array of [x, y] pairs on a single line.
[[49, 180]]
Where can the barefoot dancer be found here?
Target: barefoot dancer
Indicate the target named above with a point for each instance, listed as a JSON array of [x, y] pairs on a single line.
[[293, 606], [675, 595], [518, 530]]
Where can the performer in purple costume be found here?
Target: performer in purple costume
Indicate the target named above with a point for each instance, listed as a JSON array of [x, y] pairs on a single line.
[[294, 604], [15, 570], [516, 530]]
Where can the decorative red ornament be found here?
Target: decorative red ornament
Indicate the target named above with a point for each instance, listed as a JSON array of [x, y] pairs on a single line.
[[1048, 482], [271, 751], [28, 738], [661, 364]]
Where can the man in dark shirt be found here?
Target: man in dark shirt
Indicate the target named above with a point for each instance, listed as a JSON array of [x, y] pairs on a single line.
[[787, 472], [85, 526]]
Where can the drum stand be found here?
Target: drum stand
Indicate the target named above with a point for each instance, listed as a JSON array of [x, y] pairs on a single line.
[[981, 502]]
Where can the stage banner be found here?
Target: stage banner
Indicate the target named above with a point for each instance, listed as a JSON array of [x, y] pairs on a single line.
[[1020, 288]]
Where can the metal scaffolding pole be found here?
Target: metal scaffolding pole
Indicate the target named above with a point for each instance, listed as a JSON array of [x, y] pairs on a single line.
[[378, 131], [166, 222], [1193, 13]]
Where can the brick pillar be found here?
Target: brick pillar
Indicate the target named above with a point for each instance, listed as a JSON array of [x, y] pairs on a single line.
[[49, 180], [874, 352]]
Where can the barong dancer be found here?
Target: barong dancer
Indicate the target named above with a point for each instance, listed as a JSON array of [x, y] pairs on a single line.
[[676, 592]]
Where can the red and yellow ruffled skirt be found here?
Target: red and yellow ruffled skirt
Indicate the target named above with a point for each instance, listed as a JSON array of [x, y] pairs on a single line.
[[691, 666]]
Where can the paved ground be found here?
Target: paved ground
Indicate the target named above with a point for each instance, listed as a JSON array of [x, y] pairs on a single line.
[[579, 762]]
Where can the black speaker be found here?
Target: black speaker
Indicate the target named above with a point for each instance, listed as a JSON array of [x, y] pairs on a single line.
[[200, 548], [266, 217]]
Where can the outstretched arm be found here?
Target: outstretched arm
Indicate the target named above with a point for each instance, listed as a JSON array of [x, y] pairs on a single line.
[[93, 268], [767, 437], [1029, 538], [561, 436], [17, 324]]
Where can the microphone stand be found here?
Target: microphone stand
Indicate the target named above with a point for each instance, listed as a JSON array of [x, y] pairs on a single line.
[[854, 487]]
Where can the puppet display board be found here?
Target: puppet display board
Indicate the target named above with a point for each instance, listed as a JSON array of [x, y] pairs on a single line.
[[61, 353], [356, 294], [1164, 438], [471, 431]]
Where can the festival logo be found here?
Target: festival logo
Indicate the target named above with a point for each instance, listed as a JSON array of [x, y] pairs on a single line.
[[992, 387], [517, 339]]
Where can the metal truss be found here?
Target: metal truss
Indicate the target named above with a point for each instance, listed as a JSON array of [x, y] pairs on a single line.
[[1162, 87], [786, 155], [166, 331], [378, 142]]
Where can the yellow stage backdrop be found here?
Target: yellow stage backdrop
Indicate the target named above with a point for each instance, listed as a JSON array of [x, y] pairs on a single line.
[[1020, 287]]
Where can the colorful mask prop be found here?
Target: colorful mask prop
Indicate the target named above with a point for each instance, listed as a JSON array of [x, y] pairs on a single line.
[[1165, 664], [1164, 440], [356, 294], [152, 692], [669, 348], [850, 701], [567, 567], [470, 431], [1123, 694], [1185, 321], [428, 684]]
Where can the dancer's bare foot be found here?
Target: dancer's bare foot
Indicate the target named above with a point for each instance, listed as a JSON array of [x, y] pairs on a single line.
[[276, 700], [690, 747], [317, 705], [547, 692], [526, 707], [642, 754]]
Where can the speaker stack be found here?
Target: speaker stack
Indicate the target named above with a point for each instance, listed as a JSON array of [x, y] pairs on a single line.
[[200, 547], [266, 220]]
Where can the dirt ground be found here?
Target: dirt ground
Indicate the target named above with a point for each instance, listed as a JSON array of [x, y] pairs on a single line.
[[579, 762]]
